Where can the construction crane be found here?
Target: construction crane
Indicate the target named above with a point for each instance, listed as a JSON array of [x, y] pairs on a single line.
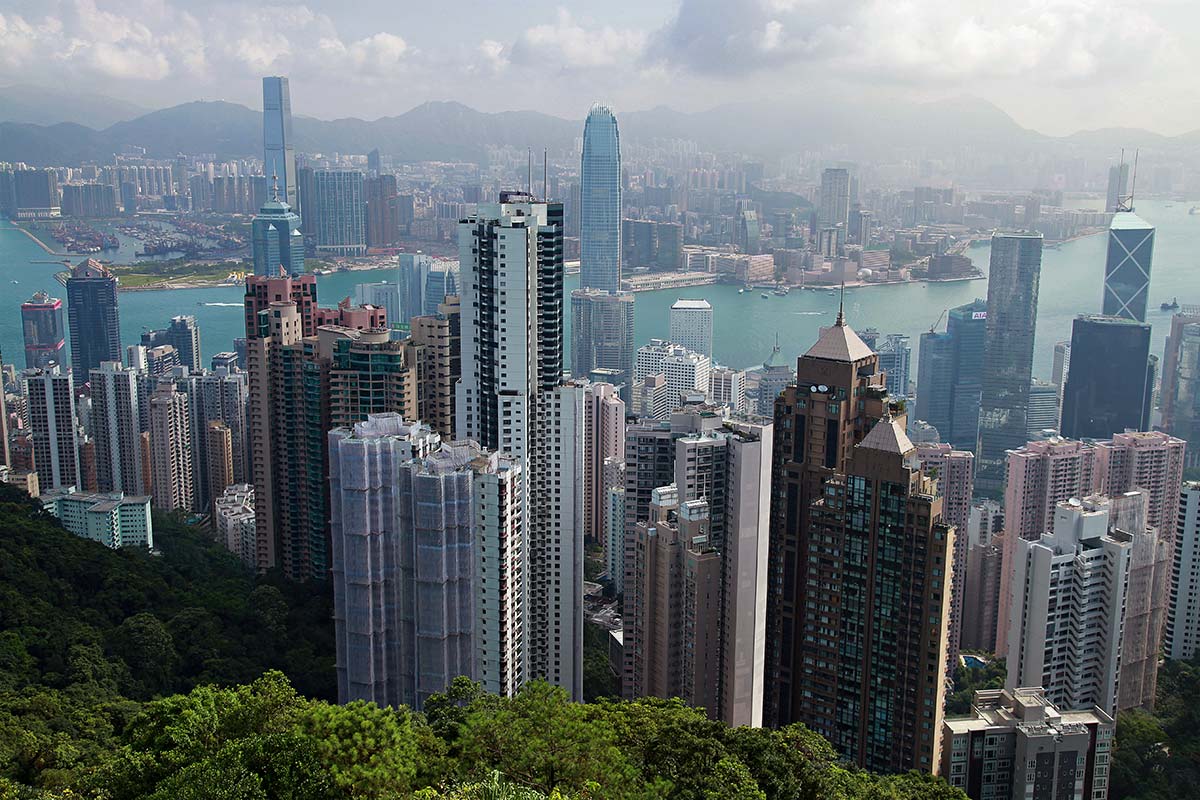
[[942, 316]]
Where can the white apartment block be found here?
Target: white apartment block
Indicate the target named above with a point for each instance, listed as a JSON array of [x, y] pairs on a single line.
[[1182, 636], [691, 325]]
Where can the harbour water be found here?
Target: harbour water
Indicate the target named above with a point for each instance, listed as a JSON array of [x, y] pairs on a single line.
[[745, 325]]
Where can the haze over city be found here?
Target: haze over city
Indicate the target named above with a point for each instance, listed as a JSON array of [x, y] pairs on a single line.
[[1056, 67]]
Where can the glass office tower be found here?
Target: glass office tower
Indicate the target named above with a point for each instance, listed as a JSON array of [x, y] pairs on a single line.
[[600, 203], [1127, 267], [279, 153]]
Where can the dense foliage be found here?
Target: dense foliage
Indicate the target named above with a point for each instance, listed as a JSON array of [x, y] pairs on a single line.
[[1158, 755], [968, 680], [181, 676]]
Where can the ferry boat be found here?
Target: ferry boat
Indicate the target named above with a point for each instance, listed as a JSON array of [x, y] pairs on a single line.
[[781, 291], [765, 296], [1171, 306]]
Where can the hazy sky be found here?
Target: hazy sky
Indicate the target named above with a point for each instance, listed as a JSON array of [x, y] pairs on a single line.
[[1055, 65]]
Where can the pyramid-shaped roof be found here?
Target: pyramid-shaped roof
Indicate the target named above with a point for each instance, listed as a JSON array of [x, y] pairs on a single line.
[[888, 435], [839, 342]]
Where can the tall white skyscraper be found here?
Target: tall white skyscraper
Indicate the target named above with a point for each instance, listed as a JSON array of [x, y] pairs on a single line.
[[50, 416], [116, 429], [1182, 637], [512, 399], [600, 202], [835, 198], [691, 325]]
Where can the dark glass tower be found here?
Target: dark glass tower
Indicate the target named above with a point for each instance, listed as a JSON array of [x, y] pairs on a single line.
[[276, 238], [600, 203], [279, 152], [950, 374], [1109, 384], [1016, 268], [93, 318]]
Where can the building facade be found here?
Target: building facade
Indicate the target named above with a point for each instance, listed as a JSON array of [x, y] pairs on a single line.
[[1127, 266], [690, 323], [93, 317], [44, 329], [600, 202], [115, 520]]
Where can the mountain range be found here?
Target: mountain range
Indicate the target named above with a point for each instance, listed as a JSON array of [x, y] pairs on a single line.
[[866, 127]]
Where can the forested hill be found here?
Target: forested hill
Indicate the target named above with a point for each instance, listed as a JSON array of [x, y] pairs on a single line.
[[181, 676]]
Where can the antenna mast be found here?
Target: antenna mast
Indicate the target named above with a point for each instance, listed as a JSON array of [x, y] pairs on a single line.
[[529, 171], [545, 174]]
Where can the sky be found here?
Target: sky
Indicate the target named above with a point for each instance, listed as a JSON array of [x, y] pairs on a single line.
[[1056, 66]]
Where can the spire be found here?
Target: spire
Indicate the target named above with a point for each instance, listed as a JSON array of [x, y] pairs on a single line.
[[275, 187], [841, 317]]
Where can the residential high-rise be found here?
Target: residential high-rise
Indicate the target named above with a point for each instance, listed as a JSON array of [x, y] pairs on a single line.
[[1181, 639], [873, 620], [218, 456], [837, 397], [604, 438], [1075, 566], [50, 417], [1016, 745], [1150, 461], [341, 212], [277, 245], [835, 199], [183, 334], [171, 454], [1127, 266], [44, 329], [233, 522], [950, 375], [223, 398], [427, 563], [93, 317], [954, 471], [116, 429], [1180, 393], [602, 335], [439, 339], [895, 357], [695, 618], [1016, 266], [279, 150], [691, 325], [600, 202], [383, 212], [1109, 388], [511, 399], [985, 558]]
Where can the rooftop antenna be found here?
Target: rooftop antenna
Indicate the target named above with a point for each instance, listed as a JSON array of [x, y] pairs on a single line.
[[841, 317], [1125, 201], [529, 173], [275, 187], [1133, 179], [545, 174]]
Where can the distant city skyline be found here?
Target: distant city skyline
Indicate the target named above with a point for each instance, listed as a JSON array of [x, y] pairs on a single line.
[[375, 59]]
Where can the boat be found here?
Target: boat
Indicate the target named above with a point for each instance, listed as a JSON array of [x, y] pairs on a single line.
[[1171, 306], [781, 291], [766, 296], [741, 291], [831, 293], [1194, 210]]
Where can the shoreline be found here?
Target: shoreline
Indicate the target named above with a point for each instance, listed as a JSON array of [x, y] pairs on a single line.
[[49, 250]]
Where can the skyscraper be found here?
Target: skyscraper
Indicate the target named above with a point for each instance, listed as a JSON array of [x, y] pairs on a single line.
[[276, 241], [512, 399], [50, 415], [1180, 394], [426, 563], [171, 449], [604, 438], [835, 199], [383, 212], [1181, 639], [895, 358], [279, 152], [341, 212], [874, 617], [950, 374], [94, 318], [954, 471], [1043, 414], [1118, 184], [838, 395], [690, 323], [600, 202], [602, 335], [1016, 266], [183, 334], [1109, 386], [1127, 266], [116, 429], [44, 330]]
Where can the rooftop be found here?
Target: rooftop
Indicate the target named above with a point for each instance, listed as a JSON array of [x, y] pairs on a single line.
[[1128, 221], [839, 342], [888, 435], [682, 303]]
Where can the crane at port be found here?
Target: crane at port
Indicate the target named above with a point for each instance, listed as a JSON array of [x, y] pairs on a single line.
[[942, 316]]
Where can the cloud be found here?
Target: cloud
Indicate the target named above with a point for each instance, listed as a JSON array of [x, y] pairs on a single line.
[[568, 44], [916, 41]]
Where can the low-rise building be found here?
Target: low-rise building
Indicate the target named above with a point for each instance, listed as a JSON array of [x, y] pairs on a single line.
[[115, 520]]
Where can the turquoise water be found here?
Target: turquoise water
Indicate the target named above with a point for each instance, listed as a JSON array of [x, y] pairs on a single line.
[[745, 325]]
